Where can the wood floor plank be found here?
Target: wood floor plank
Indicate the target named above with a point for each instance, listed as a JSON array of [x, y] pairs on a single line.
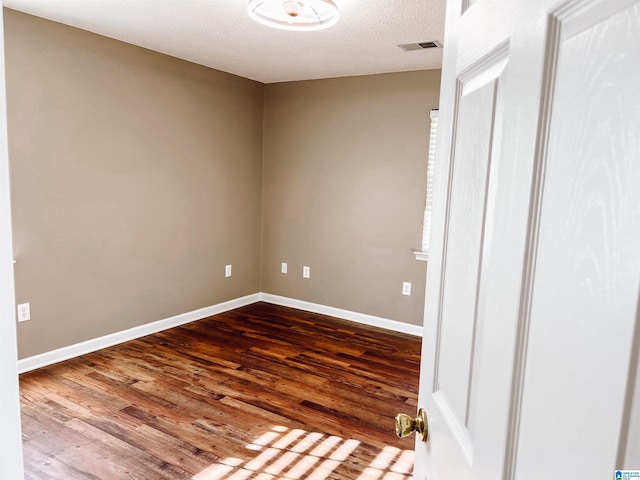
[[260, 392]]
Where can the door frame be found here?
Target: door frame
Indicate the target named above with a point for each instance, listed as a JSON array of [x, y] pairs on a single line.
[[11, 463]]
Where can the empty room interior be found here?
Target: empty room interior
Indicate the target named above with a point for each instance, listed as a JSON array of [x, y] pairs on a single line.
[[319, 239], [219, 269]]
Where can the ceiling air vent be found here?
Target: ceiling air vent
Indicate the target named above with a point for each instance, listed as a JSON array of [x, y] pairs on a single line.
[[408, 47]]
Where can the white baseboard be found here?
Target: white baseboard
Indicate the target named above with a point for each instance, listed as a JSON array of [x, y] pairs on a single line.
[[362, 318], [65, 353], [82, 348]]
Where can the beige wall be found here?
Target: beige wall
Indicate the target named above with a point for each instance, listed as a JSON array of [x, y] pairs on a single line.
[[135, 178], [344, 188]]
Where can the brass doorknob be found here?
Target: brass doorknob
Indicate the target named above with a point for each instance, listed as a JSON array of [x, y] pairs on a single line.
[[406, 425]]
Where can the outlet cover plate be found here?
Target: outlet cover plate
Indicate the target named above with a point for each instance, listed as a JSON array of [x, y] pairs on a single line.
[[24, 312], [283, 267], [406, 288], [227, 270], [306, 272]]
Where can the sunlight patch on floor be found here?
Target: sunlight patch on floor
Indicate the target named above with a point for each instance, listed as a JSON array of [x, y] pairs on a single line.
[[295, 454]]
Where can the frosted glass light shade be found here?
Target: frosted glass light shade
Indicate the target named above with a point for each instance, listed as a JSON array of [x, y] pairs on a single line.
[[294, 14]]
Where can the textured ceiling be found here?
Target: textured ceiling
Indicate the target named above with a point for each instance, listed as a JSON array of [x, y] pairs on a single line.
[[219, 34]]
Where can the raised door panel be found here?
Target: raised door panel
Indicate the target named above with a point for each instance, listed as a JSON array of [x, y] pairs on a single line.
[[586, 278], [456, 377], [463, 251]]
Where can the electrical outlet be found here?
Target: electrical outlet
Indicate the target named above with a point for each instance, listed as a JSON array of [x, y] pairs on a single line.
[[306, 272], [283, 267], [406, 288], [24, 312], [227, 270]]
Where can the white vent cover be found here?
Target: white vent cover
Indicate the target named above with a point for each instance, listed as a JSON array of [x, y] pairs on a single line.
[[409, 47]]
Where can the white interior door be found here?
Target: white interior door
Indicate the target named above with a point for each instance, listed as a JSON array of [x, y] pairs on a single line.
[[532, 330]]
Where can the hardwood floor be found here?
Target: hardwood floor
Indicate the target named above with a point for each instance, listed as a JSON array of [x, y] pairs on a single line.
[[262, 392]]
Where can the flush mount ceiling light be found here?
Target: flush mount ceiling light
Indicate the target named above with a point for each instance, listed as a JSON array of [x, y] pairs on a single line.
[[294, 15]]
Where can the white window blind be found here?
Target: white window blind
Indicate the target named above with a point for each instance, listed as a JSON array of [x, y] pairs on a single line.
[[426, 224]]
